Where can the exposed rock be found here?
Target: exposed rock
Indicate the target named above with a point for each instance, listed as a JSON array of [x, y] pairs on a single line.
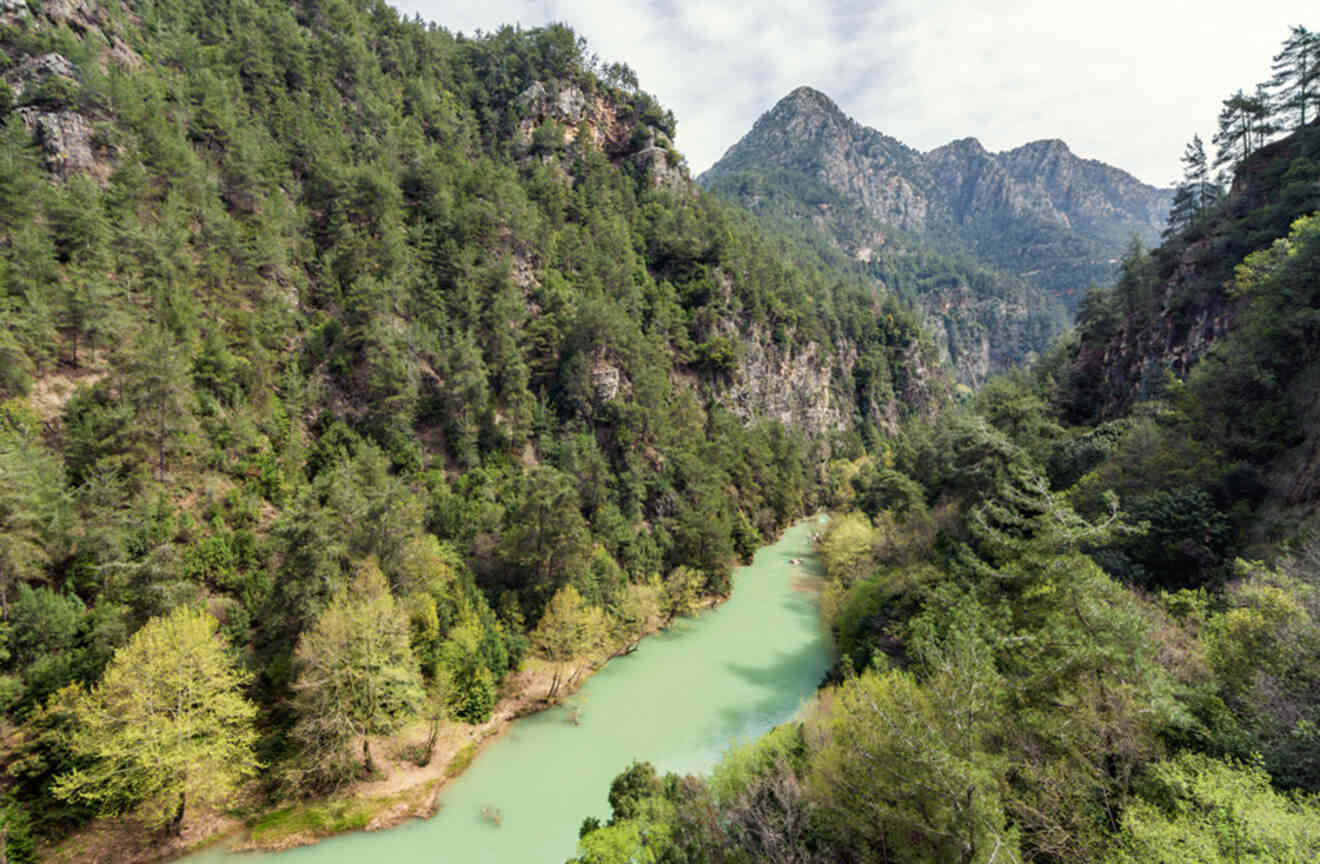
[[571, 104], [960, 193], [1020, 234], [802, 386], [951, 185], [65, 139], [601, 123], [781, 384], [606, 381], [535, 99], [36, 70], [1193, 307], [659, 160], [16, 9]]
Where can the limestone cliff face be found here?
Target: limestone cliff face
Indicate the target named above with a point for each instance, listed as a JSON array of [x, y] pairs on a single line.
[[597, 121], [789, 384], [803, 385], [1126, 366]]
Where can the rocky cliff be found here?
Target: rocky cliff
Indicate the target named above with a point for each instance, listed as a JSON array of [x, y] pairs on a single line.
[[1130, 340], [960, 193], [995, 249]]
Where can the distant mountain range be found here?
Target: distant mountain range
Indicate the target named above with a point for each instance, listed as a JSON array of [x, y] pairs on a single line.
[[1017, 236]]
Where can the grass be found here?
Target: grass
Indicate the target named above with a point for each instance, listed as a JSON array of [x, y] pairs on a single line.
[[320, 819], [462, 759]]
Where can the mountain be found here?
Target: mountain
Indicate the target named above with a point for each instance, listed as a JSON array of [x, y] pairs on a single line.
[[299, 296], [1037, 222]]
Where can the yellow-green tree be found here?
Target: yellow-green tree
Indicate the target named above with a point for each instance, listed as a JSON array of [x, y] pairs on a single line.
[[357, 676], [569, 630], [166, 726], [1200, 809], [906, 770], [845, 548]]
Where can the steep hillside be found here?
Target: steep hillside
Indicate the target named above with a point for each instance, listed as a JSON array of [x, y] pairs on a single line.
[[298, 296], [1169, 308], [1022, 233]]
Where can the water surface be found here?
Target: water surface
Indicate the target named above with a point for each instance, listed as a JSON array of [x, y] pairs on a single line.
[[679, 701]]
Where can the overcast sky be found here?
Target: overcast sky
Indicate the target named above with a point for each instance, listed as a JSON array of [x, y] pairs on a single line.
[[1124, 81]]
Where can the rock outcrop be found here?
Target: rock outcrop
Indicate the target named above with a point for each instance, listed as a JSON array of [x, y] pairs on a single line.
[[605, 124], [1193, 304], [65, 139]]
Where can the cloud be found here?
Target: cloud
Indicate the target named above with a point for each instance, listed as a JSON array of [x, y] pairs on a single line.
[[1127, 82]]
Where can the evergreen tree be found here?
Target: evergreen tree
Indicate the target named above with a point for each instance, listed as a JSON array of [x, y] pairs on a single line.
[[1296, 81], [1196, 173], [1182, 212], [1243, 126], [155, 385], [1197, 191]]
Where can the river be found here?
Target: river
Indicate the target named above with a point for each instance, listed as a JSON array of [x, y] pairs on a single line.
[[679, 701]]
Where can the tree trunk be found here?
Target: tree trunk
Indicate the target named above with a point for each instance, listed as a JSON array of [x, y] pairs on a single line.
[[554, 684], [366, 755], [432, 735], [176, 825]]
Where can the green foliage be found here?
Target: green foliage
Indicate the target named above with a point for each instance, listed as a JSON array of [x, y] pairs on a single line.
[[1197, 808], [637, 782], [16, 835], [356, 677], [166, 725], [905, 771]]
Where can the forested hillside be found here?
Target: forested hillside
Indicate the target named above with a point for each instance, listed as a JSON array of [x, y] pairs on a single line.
[[997, 249], [1074, 624], [375, 342]]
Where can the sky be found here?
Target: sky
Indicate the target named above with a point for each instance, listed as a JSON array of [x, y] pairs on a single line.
[[1127, 82]]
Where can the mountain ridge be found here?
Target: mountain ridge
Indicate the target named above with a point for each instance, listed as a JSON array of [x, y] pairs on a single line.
[[806, 108], [1030, 228]]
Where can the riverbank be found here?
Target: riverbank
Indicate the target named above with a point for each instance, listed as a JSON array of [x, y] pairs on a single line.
[[400, 792]]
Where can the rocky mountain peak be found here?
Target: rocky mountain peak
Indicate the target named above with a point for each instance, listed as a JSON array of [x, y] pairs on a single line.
[[1053, 146], [961, 147], [809, 99]]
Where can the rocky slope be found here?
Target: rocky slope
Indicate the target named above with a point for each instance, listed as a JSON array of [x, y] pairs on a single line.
[[1029, 228], [958, 192], [1129, 341]]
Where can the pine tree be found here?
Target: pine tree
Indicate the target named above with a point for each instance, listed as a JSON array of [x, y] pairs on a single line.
[[1243, 127], [1296, 81], [1196, 193], [1182, 212], [1196, 174], [155, 381]]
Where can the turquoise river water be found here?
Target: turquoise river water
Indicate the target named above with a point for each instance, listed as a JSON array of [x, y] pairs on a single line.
[[679, 701]]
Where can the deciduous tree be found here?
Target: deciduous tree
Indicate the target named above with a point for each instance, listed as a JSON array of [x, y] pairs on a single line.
[[357, 676], [166, 726]]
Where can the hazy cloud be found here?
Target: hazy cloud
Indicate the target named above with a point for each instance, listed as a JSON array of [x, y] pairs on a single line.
[[1127, 82]]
